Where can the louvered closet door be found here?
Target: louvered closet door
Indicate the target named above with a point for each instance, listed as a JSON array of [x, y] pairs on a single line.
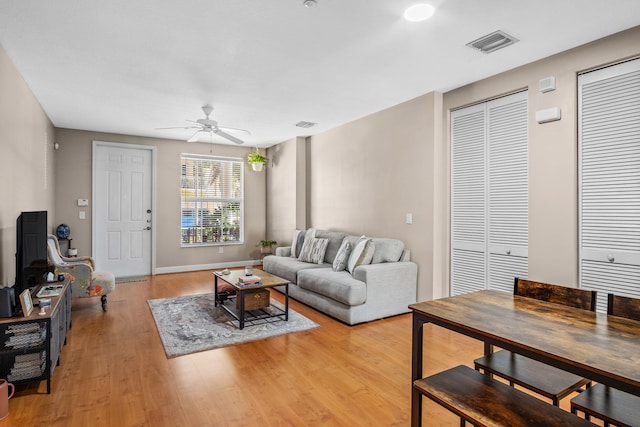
[[609, 146], [489, 195], [468, 217], [508, 186]]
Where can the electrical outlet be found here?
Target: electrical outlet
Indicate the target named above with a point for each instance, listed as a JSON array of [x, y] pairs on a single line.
[[220, 249], [82, 215], [409, 219]]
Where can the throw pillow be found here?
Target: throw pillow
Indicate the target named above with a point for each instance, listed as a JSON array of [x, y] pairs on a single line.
[[308, 235], [313, 250], [342, 257], [362, 253], [296, 243]]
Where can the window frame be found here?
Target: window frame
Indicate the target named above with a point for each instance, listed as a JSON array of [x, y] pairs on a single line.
[[205, 203]]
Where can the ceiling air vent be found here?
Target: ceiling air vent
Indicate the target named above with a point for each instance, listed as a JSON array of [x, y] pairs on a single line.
[[305, 124], [492, 42]]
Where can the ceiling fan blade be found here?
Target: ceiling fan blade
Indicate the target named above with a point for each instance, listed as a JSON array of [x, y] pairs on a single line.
[[180, 127], [227, 136], [194, 137], [228, 129]]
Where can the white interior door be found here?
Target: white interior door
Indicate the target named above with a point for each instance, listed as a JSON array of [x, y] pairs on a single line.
[[122, 208]]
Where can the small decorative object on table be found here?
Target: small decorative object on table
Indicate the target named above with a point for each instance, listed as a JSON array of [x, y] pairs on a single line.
[[63, 231], [50, 290], [26, 303]]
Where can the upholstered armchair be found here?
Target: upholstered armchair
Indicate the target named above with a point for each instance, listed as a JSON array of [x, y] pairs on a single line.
[[88, 259], [85, 281]]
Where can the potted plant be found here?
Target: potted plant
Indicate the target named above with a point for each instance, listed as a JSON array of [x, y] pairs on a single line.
[[257, 160], [266, 245]]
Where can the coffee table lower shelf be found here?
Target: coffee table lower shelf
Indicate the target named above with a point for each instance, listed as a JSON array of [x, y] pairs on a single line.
[[237, 309], [244, 316]]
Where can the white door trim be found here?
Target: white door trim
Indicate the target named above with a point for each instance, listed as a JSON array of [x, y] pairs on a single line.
[[152, 149]]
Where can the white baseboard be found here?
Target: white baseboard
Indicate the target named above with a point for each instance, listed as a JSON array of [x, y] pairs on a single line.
[[198, 267]]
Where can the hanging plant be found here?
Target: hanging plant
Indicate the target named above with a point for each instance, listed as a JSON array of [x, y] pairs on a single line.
[[257, 160]]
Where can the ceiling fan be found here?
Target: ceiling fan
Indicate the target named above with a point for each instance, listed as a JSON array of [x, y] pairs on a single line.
[[210, 127]]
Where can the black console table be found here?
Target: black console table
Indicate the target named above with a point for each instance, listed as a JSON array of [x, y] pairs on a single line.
[[31, 345]]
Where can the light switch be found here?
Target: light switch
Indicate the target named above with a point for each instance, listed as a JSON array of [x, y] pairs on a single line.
[[409, 218], [82, 215]]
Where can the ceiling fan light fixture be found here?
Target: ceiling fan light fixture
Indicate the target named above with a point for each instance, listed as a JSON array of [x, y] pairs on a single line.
[[310, 3], [419, 12]]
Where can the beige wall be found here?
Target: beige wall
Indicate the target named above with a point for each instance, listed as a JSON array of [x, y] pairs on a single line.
[[553, 210], [73, 181], [26, 150], [366, 175]]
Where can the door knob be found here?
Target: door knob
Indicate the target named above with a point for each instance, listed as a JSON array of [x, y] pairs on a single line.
[[147, 228]]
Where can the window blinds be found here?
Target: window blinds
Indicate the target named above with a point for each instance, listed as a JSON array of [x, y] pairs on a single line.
[[211, 200]]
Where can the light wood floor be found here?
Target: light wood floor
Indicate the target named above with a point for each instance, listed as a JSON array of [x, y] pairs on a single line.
[[114, 371]]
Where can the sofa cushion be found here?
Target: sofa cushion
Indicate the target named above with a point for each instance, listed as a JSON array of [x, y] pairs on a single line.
[[313, 250], [337, 285], [342, 257], [387, 250], [335, 240], [362, 253], [288, 267]]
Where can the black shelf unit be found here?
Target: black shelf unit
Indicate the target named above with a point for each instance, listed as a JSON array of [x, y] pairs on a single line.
[[30, 346]]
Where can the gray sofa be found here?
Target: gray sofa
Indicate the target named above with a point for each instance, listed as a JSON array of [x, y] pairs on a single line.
[[384, 287]]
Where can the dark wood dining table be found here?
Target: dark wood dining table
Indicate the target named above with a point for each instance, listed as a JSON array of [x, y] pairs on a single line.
[[602, 348]]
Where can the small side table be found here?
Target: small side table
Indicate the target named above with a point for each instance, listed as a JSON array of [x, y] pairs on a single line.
[[65, 244]]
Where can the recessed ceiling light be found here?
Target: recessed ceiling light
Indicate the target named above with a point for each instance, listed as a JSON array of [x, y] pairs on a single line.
[[310, 3], [419, 12]]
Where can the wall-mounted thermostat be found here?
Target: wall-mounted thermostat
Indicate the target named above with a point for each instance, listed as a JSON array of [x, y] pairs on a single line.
[[83, 202]]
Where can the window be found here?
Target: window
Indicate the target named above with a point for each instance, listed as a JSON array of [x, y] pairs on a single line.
[[489, 194], [212, 201]]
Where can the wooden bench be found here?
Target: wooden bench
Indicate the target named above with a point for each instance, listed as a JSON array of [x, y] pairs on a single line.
[[608, 404], [484, 401]]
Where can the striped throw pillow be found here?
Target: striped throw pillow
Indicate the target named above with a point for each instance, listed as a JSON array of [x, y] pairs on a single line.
[[313, 250]]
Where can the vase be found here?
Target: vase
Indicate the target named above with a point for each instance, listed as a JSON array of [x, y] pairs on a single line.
[[256, 166]]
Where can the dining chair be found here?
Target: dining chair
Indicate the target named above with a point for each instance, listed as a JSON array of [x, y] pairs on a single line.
[[606, 403], [545, 380]]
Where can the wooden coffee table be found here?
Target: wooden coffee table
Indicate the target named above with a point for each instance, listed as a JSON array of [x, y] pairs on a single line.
[[225, 300]]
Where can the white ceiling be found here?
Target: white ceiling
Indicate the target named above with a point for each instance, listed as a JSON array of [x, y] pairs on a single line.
[[129, 67]]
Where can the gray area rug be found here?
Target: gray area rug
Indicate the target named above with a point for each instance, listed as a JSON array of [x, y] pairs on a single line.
[[189, 324]]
